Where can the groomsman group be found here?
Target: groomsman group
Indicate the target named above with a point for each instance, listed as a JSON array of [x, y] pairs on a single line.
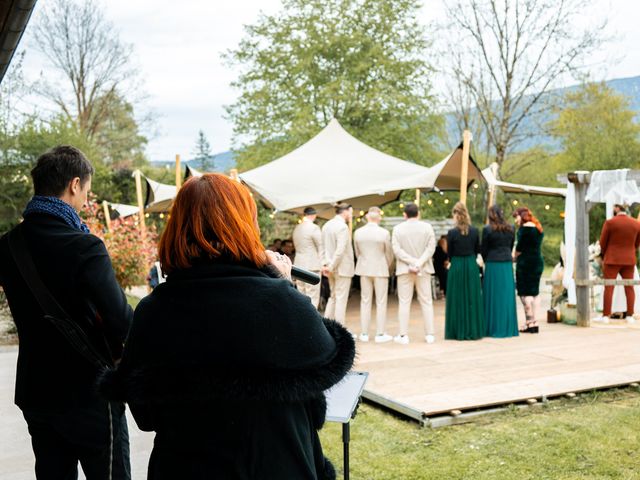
[[330, 251]]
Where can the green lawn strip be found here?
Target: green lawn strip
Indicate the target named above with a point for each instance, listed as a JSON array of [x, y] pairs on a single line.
[[133, 301], [594, 437]]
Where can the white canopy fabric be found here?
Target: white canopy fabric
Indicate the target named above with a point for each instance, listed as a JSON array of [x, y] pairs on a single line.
[[611, 187], [335, 167], [489, 174], [159, 196], [123, 210], [191, 172]]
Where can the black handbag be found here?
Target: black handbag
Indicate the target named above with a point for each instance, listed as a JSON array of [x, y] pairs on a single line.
[[51, 309]]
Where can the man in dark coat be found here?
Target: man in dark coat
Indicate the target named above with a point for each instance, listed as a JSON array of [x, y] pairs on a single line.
[[619, 242], [55, 384]]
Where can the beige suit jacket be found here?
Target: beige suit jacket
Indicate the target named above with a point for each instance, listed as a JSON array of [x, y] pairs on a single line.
[[373, 248], [413, 243], [338, 251], [307, 240]]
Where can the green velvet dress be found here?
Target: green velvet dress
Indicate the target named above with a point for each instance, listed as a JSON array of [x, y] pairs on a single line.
[[529, 265]]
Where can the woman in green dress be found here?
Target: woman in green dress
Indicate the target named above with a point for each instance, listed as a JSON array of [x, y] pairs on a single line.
[[529, 265], [464, 309], [499, 291]]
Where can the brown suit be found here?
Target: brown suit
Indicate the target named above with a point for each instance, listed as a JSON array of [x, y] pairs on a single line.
[[619, 242]]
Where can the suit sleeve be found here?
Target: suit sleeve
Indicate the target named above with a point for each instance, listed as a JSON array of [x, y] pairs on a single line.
[[400, 253], [341, 248], [317, 241], [105, 293], [431, 247], [604, 238], [388, 249], [356, 246]]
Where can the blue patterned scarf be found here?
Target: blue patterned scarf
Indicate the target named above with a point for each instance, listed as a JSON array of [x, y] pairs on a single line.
[[56, 207]]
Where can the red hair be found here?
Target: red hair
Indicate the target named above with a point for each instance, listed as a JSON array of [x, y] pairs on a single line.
[[212, 216], [525, 214]]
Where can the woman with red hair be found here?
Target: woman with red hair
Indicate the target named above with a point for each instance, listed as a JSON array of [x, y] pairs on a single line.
[[529, 264], [226, 361]]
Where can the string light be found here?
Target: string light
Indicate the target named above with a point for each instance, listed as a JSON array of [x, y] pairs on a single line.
[[429, 202], [475, 185], [146, 215], [401, 205], [361, 212], [358, 220], [162, 215], [299, 220], [515, 202], [547, 206], [446, 201], [271, 215], [381, 212]]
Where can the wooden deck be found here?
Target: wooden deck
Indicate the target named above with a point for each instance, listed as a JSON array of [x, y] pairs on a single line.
[[421, 380]]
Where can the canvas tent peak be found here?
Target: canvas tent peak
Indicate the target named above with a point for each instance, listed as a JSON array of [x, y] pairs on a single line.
[[123, 210], [159, 196], [445, 175], [333, 167]]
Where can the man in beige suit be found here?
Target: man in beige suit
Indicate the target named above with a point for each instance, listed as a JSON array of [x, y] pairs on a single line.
[[413, 244], [338, 261], [373, 248], [307, 241]]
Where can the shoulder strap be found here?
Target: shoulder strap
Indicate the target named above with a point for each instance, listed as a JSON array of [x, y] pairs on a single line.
[[53, 311]]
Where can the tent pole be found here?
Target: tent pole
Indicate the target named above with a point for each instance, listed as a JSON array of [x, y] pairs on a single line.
[[583, 307], [418, 197], [178, 173], [464, 169], [107, 216], [143, 229]]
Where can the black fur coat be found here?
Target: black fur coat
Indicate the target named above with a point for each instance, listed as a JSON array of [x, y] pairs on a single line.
[[228, 364]]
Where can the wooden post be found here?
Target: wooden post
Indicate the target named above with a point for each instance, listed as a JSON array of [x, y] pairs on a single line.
[[107, 216], [583, 308], [418, 197], [143, 228], [464, 168], [178, 173]]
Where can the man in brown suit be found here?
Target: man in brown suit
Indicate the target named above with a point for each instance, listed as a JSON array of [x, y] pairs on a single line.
[[619, 242]]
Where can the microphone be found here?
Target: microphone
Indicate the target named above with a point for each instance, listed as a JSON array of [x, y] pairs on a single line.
[[304, 275]]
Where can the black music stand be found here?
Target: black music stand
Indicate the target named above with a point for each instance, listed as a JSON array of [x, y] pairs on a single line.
[[342, 404]]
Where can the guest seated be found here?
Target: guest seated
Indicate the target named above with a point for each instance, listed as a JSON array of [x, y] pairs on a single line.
[[226, 361]]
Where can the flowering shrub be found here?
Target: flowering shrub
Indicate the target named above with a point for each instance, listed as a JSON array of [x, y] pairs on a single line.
[[131, 255]]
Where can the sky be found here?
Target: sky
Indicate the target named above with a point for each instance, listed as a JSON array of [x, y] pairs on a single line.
[[178, 46]]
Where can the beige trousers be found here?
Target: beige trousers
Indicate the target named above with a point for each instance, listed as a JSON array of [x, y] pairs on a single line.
[[367, 286], [422, 283], [311, 291], [337, 304]]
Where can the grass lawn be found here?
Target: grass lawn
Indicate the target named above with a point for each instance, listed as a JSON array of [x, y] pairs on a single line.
[[133, 301], [595, 436]]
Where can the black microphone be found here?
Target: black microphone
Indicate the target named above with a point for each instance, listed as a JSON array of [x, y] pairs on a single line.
[[305, 275]]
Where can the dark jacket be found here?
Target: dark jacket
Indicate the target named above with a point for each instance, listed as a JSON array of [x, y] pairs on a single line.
[[459, 245], [620, 240], [497, 246], [228, 364], [76, 268]]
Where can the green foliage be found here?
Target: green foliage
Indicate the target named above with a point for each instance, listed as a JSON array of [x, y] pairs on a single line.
[[202, 154], [359, 61], [579, 439], [597, 130]]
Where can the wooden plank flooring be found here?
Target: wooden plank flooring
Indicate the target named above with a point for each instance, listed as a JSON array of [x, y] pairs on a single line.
[[448, 375]]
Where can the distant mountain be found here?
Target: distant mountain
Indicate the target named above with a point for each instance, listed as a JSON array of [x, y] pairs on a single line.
[[630, 87], [222, 162]]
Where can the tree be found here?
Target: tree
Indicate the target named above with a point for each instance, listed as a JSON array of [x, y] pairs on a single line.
[[596, 129], [85, 49], [202, 153], [359, 61], [505, 56]]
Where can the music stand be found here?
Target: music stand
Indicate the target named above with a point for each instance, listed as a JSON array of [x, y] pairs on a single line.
[[342, 404]]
